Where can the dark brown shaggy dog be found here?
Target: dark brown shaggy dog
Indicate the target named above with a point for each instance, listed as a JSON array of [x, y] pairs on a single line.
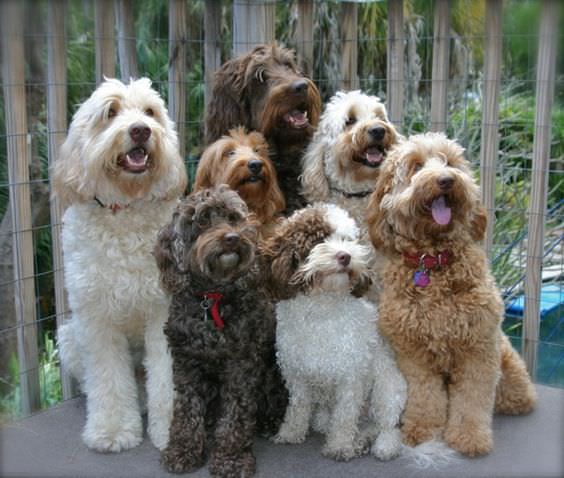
[[264, 90], [220, 331], [241, 161]]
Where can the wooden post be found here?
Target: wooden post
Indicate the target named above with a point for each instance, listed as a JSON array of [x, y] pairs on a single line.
[[104, 23], [396, 39], [253, 23], [126, 40], [490, 113], [212, 43], [13, 74], [177, 36], [304, 36], [349, 52], [439, 85], [541, 157], [56, 127]]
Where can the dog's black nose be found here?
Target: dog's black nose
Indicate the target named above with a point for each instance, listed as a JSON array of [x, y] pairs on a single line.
[[377, 132], [445, 182], [299, 86], [139, 132], [343, 258], [231, 239], [255, 166]]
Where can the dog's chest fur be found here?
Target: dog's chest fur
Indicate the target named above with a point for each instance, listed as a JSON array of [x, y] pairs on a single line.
[[108, 258], [459, 311], [324, 336], [248, 328]]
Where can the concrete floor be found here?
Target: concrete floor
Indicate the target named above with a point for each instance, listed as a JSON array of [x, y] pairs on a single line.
[[49, 444]]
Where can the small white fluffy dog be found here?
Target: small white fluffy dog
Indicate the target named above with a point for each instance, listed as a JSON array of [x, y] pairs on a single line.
[[119, 175], [342, 162], [328, 347]]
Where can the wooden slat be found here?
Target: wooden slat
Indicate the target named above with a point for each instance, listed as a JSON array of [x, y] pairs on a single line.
[[304, 36], [490, 113], [349, 52], [18, 156], [104, 37], [56, 127], [253, 23], [541, 158], [177, 37], [212, 43], [439, 85], [126, 40], [396, 39]]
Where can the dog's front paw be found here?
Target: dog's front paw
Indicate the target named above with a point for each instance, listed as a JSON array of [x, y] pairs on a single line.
[[289, 437], [181, 460], [228, 466], [415, 433], [158, 431], [113, 437], [470, 440], [387, 445], [339, 452]]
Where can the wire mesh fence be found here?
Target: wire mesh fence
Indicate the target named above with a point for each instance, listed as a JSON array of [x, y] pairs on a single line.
[[178, 44]]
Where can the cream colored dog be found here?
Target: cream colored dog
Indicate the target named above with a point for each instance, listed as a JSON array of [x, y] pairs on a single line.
[[120, 175]]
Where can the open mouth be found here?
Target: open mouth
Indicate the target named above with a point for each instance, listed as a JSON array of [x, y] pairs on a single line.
[[297, 118], [134, 161], [373, 156], [440, 210]]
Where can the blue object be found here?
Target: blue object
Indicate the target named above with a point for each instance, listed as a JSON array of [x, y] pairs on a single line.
[[552, 297]]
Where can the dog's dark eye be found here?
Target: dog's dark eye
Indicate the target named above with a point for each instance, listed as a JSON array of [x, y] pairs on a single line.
[[111, 113], [417, 167], [233, 218], [150, 112], [203, 220], [231, 152], [350, 121]]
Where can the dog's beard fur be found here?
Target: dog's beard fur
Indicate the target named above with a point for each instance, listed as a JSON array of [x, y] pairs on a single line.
[[91, 163], [322, 273]]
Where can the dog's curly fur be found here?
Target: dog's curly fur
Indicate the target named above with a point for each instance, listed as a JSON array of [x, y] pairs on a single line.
[[329, 351], [120, 175], [447, 335], [241, 161], [263, 90], [210, 246]]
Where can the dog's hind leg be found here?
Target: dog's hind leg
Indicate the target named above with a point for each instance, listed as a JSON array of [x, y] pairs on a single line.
[[113, 420], [515, 393], [158, 364]]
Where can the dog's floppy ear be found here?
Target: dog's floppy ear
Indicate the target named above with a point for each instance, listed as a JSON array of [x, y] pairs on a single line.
[[380, 231], [208, 165], [226, 108], [315, 186], [479, 223], [68, 172], [170, 248]]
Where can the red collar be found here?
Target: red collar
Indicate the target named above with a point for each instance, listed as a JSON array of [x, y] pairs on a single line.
[[426, 261], [115, 207], [212, 300]]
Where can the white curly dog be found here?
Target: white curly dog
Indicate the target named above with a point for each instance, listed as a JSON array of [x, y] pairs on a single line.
[[328, 347], [119, 175]]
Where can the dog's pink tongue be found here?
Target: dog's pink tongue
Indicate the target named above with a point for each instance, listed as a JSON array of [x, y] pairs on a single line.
[[440, 212], [374, 155], [296, 118]]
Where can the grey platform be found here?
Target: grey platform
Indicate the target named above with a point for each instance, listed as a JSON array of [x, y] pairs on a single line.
[[49, 444]]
